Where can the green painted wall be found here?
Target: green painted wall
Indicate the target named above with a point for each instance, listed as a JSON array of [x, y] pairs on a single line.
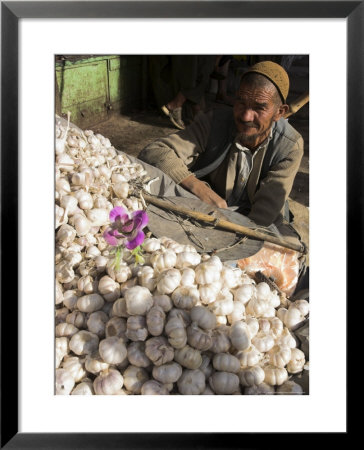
[[91, 87]]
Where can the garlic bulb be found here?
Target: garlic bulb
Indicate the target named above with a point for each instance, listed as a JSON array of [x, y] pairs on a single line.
[[134, 378], [75, 367], [168, 281], [90, 303], [155, 320], [109, 382], [220, 340], [225, 362], [136, 328], [84, 342], [164, 301], [261, 389], [198, 338], [137, 356], [163, 260], [263, 341], [159, 350], [138, 300], [167, 373], [224, 382], [116, 326], [64, 382], [289, 387], [249, 357], [66, 329], [113, 350], [275, 376], [203, 317], [251, 376], [187, 277], [61, 350], [185, 297], [84, 388], [188, 357], [191, 382], [297, 361], [176, 332], [279, 356], [96, 323], [240, 336], [95, 364], [152, 387]]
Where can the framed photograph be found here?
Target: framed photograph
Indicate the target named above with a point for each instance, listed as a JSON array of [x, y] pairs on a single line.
[[32, 33]]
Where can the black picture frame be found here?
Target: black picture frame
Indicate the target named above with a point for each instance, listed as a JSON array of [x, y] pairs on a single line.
[[11, 13]]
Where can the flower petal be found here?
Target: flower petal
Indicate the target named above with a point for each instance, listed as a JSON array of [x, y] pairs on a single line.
[[127, 227], [140, 218], [133, 243], [118, 211], [109, 236]]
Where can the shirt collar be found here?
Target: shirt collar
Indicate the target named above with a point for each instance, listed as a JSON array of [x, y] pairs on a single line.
[[261, 146]]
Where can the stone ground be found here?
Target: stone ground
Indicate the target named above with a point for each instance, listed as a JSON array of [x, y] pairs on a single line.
[[133, 131]]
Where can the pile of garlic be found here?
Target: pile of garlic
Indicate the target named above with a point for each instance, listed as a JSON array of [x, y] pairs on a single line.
[[180, 324]]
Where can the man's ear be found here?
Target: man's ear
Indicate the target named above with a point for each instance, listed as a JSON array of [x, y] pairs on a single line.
[[281, 112]]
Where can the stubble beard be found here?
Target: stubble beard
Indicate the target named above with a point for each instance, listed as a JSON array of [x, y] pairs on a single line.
[[254, 139]]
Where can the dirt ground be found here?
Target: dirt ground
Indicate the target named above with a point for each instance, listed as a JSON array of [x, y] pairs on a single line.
[[132, 132]]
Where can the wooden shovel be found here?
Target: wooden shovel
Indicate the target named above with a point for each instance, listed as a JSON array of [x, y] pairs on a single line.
[[221, 223]]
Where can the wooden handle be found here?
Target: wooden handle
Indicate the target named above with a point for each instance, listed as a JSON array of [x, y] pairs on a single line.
[[297, 104], [224, 223]]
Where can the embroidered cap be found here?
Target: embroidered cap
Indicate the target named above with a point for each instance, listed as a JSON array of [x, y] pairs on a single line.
[[275, 73]]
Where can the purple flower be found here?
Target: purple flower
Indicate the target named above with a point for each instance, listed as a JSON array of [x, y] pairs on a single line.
[[128, 226]]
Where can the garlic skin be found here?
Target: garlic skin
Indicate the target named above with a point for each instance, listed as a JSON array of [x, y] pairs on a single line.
[[249, 357], [84, 388], [261, 389], [66, 329], [137, 356], [220, 340], [279, 355], [263, 341], [84, 343], [64, 382], [203, 318], [164, 301], [136, 328], [289, 387], [96, 323], [95, 364], [167, 373], [90, 303], [251, 376], [198, 338], [225, 362], [113, 350], [62, 350], [185, 297], [158, 350], [153, 387], [176, 332], [109, 382], [116, 326], [297, 361], [155, 320], [275, 376], [240, 336], [225, 383], [191, 382], [168, 281], [75, 367], [134, 378], [138, 300], [188, 357]]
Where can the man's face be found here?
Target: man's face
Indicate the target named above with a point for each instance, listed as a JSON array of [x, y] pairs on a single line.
[[254, 112]]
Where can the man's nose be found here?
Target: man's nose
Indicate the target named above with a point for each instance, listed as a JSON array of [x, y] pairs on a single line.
[[247, 115]]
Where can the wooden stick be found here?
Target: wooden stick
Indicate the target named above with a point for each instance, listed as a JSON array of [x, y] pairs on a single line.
[[224, 223], [297, 104]]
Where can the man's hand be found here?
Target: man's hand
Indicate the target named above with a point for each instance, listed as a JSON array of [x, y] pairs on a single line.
[[203, 192]]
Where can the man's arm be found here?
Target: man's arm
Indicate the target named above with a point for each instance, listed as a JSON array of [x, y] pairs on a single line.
[[174, 154], [275, 188]]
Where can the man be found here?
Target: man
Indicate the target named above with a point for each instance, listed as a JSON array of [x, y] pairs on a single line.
[[245, 158]]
